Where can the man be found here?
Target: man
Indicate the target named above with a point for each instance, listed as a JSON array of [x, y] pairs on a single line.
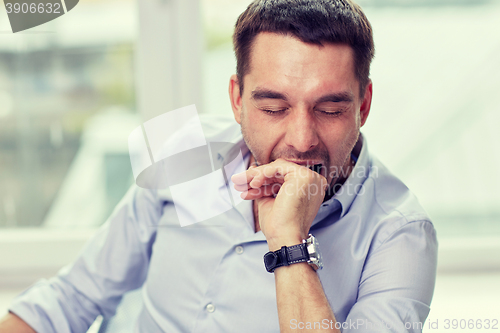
[[301, 94]]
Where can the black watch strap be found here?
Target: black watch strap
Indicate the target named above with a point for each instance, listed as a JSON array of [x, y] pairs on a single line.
[[285, 256]]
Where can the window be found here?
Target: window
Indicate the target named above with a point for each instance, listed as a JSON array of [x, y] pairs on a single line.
[[63, 86]]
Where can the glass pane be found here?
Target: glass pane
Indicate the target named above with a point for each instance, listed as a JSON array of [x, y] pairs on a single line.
[[66, 101]]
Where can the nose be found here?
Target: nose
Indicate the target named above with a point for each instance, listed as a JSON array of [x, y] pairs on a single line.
[[301, 130]]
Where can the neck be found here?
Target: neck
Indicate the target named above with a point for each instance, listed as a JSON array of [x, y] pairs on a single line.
[[336, 184]]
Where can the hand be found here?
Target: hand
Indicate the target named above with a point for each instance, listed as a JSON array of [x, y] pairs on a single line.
[[288, 197], [11, 323]]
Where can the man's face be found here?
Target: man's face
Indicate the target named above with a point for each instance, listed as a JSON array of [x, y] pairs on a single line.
[[300, 102]]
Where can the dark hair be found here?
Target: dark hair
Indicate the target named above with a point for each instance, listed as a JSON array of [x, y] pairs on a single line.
[[311, 21]]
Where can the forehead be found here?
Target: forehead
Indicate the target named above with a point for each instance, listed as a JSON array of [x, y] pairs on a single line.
[[284, 61]]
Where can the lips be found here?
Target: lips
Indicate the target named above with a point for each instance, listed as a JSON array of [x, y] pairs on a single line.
[[307, 163]]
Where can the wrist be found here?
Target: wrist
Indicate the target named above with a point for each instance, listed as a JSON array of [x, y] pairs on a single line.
[[306, 251], [275, 244]]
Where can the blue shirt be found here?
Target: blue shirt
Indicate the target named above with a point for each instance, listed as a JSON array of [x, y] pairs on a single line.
[[379, 251]]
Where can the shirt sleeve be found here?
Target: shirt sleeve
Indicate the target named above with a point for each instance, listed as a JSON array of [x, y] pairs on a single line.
[[397, 282], [113, 262]]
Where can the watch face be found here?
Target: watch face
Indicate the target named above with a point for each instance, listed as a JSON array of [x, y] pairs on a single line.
[[315, 258]]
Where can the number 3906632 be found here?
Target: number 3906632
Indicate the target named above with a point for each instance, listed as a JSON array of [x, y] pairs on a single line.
[[33, 8], [471, 324]]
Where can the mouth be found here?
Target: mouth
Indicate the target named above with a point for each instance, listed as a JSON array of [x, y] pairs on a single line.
[[306, 163], [315, 166]]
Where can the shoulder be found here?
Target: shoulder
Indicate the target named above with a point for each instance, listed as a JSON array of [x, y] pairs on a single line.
[[394, 208], [393, 196], [180, 146]]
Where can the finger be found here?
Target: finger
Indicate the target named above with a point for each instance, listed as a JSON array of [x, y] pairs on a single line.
[[248, 176], [267, 175], [260, 181], [256, 185], [244, 177], [241, 188], [264, 191], [251, 194]]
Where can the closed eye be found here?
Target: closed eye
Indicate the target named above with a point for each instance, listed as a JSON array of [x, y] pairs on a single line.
[[331, 113], [274, 111]]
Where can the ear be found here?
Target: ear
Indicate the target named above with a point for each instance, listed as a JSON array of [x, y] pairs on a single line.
[[366, 104], [234, 96]]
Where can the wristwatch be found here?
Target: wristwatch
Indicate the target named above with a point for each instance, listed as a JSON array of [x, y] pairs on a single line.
[[308, 252]]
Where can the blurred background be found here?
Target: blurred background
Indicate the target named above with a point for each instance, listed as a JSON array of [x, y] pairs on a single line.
[[73, 89]]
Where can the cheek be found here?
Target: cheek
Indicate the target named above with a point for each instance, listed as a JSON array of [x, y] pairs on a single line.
[[351, 124], [261, 135], [259, 126], [339, 137], [337, 131]]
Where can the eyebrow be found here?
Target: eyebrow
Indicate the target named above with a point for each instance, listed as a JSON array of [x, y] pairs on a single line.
[[344, 96], [336, 97], [259, 94]]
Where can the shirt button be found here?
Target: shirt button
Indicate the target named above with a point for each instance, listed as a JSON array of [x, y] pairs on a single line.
[[210, 307], [239, 249]]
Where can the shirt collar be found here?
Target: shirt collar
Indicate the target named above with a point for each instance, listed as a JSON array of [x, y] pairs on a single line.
[[353, 185], [231, 149]]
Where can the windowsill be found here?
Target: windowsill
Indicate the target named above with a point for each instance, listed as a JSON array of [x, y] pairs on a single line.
[[29, 254], [469, 254]]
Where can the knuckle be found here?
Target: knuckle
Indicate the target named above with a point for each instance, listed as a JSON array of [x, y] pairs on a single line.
[[311, 177]]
